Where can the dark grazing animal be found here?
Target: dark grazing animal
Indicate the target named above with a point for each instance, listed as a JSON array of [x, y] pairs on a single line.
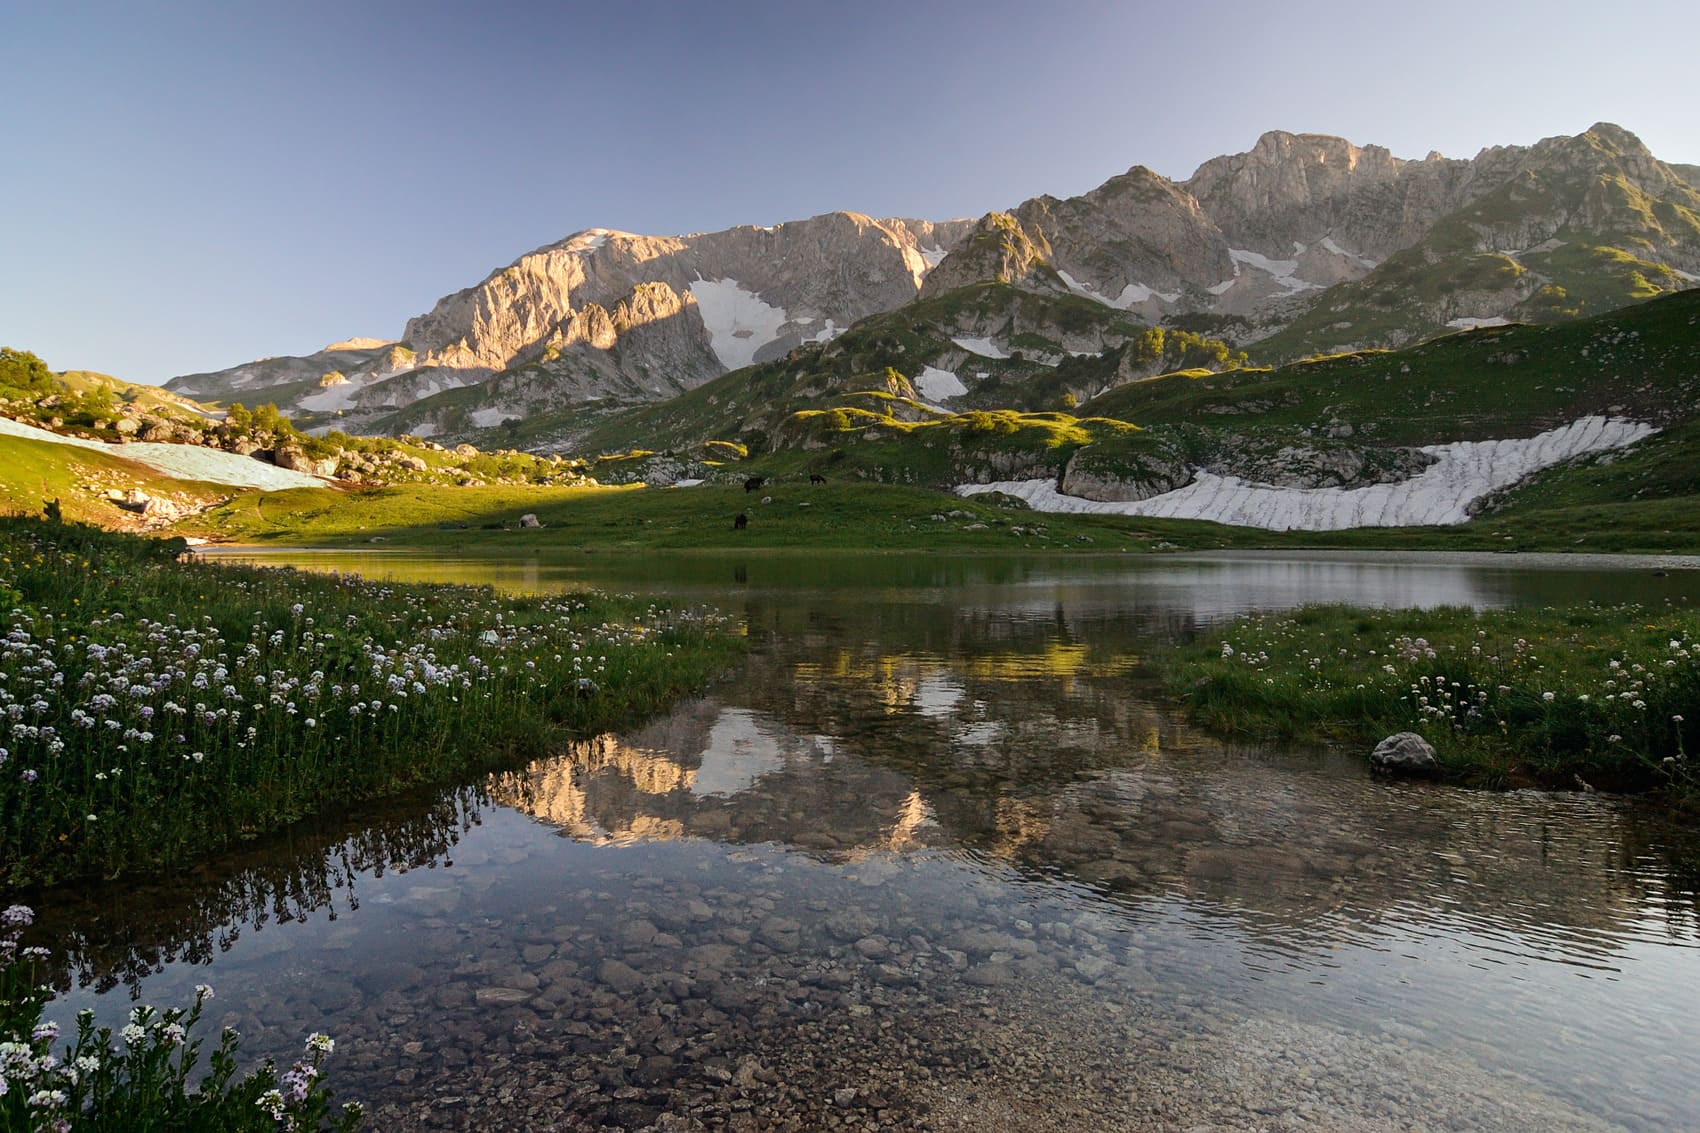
[[740, 521], [816, 478], [754, 482]]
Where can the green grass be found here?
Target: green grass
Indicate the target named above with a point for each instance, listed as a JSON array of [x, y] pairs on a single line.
[[788, 512], [1603, 696], [33, 472], [1494, 382], [165, 710]]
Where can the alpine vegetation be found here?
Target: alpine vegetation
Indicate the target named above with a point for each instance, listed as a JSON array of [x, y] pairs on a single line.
[[1592, 696], [157, 710], [144, 1076]]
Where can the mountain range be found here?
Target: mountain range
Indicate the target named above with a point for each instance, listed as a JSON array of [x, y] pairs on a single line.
[[1306, 244]]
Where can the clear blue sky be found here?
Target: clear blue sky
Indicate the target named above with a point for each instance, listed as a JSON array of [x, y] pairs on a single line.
[[186, 186]]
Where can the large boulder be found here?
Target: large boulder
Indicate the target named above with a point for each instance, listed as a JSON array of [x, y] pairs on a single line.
[[1405, 754], [295, 458]]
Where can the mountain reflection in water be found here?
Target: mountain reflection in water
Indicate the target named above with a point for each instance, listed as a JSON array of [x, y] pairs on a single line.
[[942, 811]]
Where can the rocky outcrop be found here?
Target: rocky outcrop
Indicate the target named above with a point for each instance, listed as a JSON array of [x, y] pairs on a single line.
[[785, 283], [1309, 238]]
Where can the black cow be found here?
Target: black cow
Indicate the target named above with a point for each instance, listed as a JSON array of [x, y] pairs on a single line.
[[816, 478], [754, 482], [740, 522]]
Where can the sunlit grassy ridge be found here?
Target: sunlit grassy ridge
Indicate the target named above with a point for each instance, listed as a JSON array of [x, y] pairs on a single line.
[[1605, 696], [1494, 382], [161, 710]]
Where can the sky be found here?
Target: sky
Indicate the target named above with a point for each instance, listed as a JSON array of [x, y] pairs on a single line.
[[186, 186]]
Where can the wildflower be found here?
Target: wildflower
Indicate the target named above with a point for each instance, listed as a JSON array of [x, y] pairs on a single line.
[[132, 1034], [1676, 719], [1547, 696], [272, 1102], [17, 916], [320, 1043], [203, 992]]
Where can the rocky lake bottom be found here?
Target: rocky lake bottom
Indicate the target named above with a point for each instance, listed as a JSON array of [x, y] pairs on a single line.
[[940, 858]]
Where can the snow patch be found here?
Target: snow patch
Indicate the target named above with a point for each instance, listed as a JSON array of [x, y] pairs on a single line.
[[933, 256], [831, 331], [1476, 324], [984, 347], [1131, 294], [935, 384], [1222, 288], [1464, 471], [1281, 271], [686, 483], [1329, 245], [489, 418], [186, 462], [738, 321], [1680, 274]]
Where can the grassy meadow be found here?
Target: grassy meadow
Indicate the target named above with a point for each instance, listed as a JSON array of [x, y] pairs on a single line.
[[160, 710], [1605, 697]]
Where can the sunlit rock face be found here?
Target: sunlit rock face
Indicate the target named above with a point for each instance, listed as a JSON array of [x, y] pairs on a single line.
[[606, 314]]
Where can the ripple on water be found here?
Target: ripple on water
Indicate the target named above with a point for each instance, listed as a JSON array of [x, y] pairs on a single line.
[[950, 864]]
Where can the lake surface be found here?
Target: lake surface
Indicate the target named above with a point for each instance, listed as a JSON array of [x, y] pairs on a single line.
[[938, 856]]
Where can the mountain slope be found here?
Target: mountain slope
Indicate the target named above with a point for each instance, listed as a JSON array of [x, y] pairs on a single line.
[[606, 314], [1304, 244]]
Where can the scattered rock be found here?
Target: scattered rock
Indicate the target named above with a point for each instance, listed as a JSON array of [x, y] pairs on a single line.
[[1405, 754]]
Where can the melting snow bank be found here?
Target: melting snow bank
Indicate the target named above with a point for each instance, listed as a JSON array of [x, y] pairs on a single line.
[[1463, 472], [936, 384], [739, 322], [186, 462]]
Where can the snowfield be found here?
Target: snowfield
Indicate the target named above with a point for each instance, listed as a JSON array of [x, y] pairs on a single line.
[[739, 322], [1131, 294], [935, 384], [984, 347], [186, 462], [1441, 494], [1281, 271]]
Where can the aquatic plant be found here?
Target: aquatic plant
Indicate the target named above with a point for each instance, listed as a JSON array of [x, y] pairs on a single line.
[[1602, 696], [144, 1077], [152, 710]]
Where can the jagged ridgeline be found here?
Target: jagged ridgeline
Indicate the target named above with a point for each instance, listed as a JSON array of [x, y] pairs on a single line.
[[1304, 244]]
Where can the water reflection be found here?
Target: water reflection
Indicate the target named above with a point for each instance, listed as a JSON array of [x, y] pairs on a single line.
[[941, 844]]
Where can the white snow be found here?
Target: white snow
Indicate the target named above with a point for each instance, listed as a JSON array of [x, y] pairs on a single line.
[[490, 417], [739, 322], [1476, 324], [1328, 244], [933, 256], [1281, 271], [984, 347], [1680, 274], [186, 462], [831, 331], [1131, 294], [332, 398], [935, 384], [1221, 288], [686, 483], [1464, 472], [589, 240]]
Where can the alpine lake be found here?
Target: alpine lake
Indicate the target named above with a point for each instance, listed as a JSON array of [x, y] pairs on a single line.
[[938, 856]]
